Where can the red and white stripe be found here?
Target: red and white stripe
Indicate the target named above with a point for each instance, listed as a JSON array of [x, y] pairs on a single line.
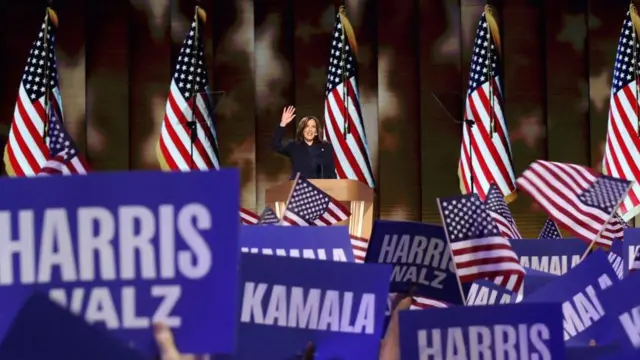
[[555, 187], [360, 246], [248, 217], [420, 303], [507, 229], [59, 166], [512, 282], [487, 257], [335, 213], [175, 140]]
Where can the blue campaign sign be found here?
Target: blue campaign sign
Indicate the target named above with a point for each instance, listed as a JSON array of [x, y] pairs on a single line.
[[44, 330], [309, 242], [554, 256], [631, 244], [510, 331], [124, 250], [535, 279], [622, 306], [485, 292], [421, 259], [579, 291], [287, 303]]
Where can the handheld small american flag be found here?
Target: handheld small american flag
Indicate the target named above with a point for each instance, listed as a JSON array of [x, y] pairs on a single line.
[[268, 217], [344, 126], [64, 158], [189, 90], [419, 303], [575, 198], [26, 150], [636, 261], [622, 148], [489, 159], [309, 206], [501, 214], [248, 217], [550, 230], [479, 250], [360, 246]]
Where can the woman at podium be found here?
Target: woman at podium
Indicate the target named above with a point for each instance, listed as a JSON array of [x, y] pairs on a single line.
[[310, 155]]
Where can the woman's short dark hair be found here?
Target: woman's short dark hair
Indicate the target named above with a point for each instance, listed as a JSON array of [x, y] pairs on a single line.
[[303, 123]]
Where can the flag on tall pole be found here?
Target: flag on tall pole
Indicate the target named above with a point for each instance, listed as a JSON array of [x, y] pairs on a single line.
[[622, 148], [38, 96], [344, 123], [485, 151], [188, 139]]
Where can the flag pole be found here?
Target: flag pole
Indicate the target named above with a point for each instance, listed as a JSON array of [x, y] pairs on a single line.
[[192, 124], [635, 24], [50, 18], [345, 78]]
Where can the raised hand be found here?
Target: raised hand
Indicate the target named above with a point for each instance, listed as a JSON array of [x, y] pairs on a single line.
[[288, 113], [164, 340]]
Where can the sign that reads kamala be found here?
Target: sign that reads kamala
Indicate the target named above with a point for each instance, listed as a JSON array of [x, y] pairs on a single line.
[[308, 242], [287, 303], [549, 255], [631, 245], [420, 257], [578, 291], [125, 250], [622, 306], [509, 331]]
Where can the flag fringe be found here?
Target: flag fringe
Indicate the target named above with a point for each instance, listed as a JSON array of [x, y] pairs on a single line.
[[53, 17], [493, 27], [201, 14], [348, 29], [635, 19]]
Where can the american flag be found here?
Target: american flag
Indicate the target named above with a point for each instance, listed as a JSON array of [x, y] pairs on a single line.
[[342, 106], [479, 250], [189, 83], [268, 217], [622, 149], [576, 198], [26, 150], [500, 213], [309, 206], [248, 217], [360, 246], [490, 147], [550, 230], [64, 158], [636, 261]]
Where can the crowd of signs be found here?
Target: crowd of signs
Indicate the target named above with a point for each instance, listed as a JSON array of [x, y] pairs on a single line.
[[88, 264]]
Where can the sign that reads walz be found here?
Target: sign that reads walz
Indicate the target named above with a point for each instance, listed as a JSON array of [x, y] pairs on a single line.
[[125, 250]]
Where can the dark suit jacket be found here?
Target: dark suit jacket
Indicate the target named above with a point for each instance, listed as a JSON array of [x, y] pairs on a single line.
[[313, 161]]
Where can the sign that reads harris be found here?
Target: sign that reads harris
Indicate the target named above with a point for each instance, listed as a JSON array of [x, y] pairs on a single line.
[[308, 242], [578, 291], [509, 331], [288, 302], [549, 255], [125, 250], [420, 257]]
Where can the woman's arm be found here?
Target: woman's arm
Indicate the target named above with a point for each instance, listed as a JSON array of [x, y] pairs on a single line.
[[276, 142], [329, 165]]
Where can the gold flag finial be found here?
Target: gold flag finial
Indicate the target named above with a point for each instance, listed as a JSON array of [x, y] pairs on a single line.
[[348, 29], [53, 17], [493, 27], [635, 19], [201, 14]]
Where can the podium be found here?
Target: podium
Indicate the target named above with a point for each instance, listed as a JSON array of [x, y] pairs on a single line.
[[357, 196]]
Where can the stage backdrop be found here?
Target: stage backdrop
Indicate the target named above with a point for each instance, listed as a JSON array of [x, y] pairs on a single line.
[[115, 59]]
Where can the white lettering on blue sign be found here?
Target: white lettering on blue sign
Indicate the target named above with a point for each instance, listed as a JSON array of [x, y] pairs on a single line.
[[313, 309], [418, 275], [632, 255], [482, 295], [584, 309], [630, 322], [553, 264], [337, 254], [616, 263], [146, 249], [417, 250], [521, 341]]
